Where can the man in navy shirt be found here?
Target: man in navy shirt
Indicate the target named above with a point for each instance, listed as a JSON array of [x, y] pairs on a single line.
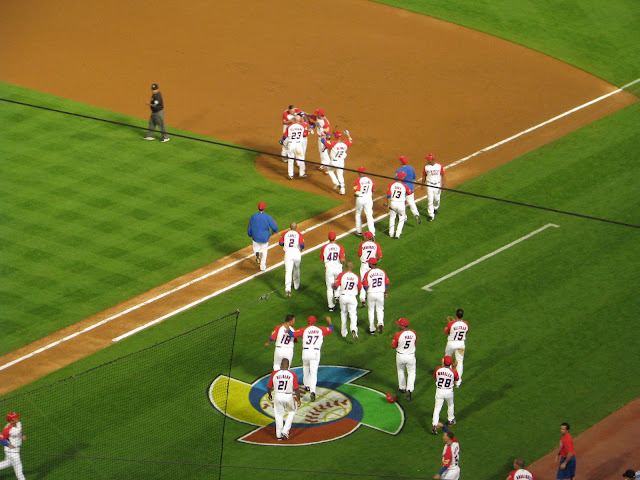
[[408, 181], [157, 115], [260, 228]]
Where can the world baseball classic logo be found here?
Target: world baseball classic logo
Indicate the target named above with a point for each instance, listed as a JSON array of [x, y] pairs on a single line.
[[341, 407]]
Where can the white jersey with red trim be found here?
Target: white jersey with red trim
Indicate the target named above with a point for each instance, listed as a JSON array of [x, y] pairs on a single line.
[[457, 331], [405, 342], [365, 186], [283, 382], [445, 378], [434, 174], [397, 192], [14, 436], [333, 255], [295, 133], [520, 474], [369, 249], [338, 151], [291, 242], [376, 281], [322, 125], [281, 338], [313, 336], [348, 283], [451, 455]]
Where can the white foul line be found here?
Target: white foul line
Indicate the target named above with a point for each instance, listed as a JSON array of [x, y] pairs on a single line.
[[489, 255], [569, 112], [158, 297]]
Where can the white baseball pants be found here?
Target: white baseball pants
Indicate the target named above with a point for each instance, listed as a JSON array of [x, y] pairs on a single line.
[[433, 200], [365, 204], [262, 249], [284, 404], [406, 365], [458, 349], [396, 209], [310, 364], [411, 201], [280, 353], [336, 173], [295, 153], [451, 473], [443, 394], [348, 310], [12, 459], [375, 306], [291, 272], [330, 276], [364, 268]]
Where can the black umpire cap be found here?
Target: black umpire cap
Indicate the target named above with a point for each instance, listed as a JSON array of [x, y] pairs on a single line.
[[154, 86]]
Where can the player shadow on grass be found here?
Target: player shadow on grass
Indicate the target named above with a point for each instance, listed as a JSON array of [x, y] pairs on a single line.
[[54, 462], [483, 399]]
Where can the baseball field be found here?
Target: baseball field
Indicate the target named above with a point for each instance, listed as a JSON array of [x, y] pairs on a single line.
[[537, 238]]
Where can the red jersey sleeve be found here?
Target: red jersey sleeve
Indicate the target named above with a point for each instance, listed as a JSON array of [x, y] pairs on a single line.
[[274, 334], [299, 333], [378, 251], [415, 336], [510, 477], [394, 341], [295, 381], [365, 279], [436, 371], [342, 255], [325, 331], [349, 143], [338, 280], [281, 242], [389, 190], [408, 190], [322, 252], [387, 282], [359, 283], [301, 239], [270, 382], [441, 170], [456, 377], [448, 327]]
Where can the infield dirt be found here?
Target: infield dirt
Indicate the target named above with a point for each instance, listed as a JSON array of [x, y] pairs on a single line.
[[403, 84]]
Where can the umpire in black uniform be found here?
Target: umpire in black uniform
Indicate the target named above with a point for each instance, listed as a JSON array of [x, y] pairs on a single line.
[[157, 115]]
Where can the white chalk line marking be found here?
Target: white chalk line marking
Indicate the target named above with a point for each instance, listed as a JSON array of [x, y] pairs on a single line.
[[489, 255], [169, 292]]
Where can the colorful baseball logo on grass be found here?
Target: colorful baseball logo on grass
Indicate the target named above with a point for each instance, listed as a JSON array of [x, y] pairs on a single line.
[[341, 407]]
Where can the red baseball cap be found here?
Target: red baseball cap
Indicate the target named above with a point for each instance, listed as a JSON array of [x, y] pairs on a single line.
[[401, 175], [320, 112], [312, 320], [12, 416], [403, 321], [390, 397], [368, 235], [373, 261], [262, 206], [332, 235], [448, 360], [403, 160], [431, 156], [362, 169]]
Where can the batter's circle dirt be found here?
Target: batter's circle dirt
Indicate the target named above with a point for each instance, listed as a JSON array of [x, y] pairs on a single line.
[[404, 84]]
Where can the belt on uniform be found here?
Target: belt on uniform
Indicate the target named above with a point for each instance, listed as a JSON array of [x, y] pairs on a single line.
[[309, 348], [433, 184], [404, 353], [282, 346], [442, 388]]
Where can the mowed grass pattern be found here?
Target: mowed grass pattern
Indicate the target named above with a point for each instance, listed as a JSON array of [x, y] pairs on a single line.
[[93, 215]]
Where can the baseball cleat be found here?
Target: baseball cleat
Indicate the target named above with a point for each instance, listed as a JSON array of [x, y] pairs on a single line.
[[418, 221], [288, 294], [285, 436], [434, 430], [402, 390], [257, 258], [452, 422], [148, 138], [380, 327], [359, 234], [279, 439], [303, 176], [165, 139], [435, 212], [371, 332], [362, 304], [313, 397], [408, 395], [355, 335], [289, 177], [332, 309], [430, 219]]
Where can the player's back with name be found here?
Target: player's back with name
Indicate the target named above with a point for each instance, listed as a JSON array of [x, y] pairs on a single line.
[[405, 342], [332, 253], [397, 192], [295, 132], [283, 381], [445, 377], [376, 281], [457, 330], [368, 249], [312, 337], [521, 474]]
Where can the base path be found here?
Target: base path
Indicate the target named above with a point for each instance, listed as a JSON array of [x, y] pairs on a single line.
[[402, 83]]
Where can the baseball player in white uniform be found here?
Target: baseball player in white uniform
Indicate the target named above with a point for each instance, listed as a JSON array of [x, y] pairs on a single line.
[[376, 283], [445, 377], [519, 472], [284, 391], [323, 129], [367, 250], [348, 285], [294, 138], [456, 330], [332, 254], [292, 242], [312, 340], [396, 196], [11, 438], [337, 156], [433, 175], [404, 343], [283, 341], [287, 119], [450, 457], [363, 190]]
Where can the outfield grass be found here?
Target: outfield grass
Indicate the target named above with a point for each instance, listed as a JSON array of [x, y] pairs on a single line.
[[92, 215], [539, 352]]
